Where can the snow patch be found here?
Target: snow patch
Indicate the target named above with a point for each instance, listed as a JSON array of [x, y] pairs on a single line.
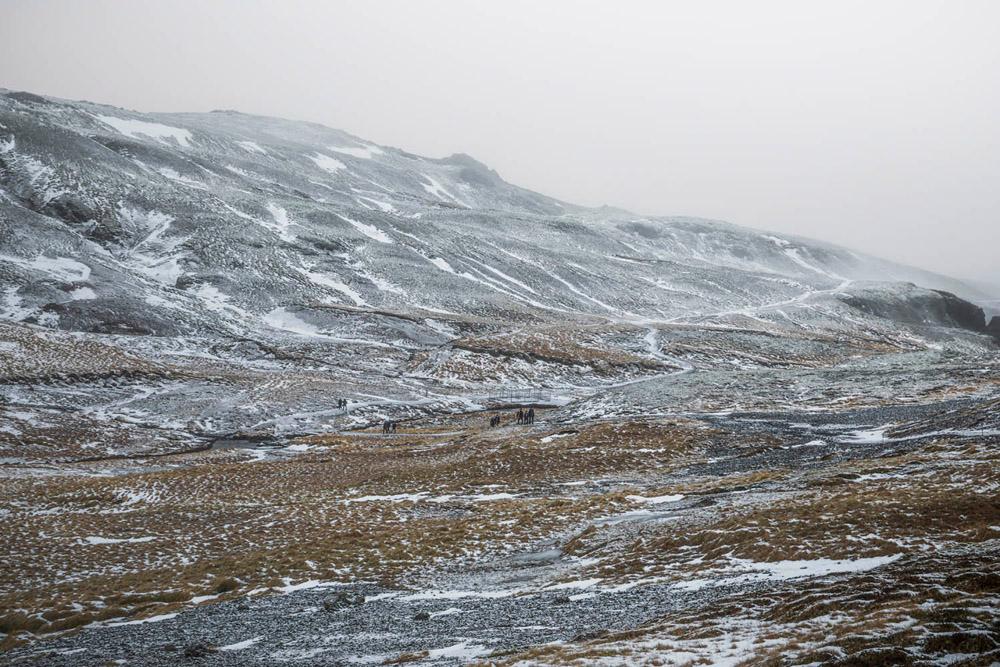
[[436, 189], [794, 569], [96, 539], [465, 650], [136, 128], [441, 263], [656, 500], [371, 231], [82, 294], [280, 318], [164, 271], [239, 646], [334, 283], [281, 221], [583, 583], [214, 299], [327, 163], [62, 268], [141, 621], [788, 569], [385, 207]]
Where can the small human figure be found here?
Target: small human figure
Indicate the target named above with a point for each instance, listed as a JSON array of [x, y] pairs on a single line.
[[531, 415]]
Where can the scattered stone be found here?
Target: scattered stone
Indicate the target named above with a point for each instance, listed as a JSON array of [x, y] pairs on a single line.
[[343, 600]]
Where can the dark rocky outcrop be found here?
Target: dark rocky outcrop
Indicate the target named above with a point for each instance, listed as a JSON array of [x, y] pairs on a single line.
[[642, 229], [27, 98], [113, 316], [71, 209], [993, 328], [920, 307], [199, 650], [965, 314]]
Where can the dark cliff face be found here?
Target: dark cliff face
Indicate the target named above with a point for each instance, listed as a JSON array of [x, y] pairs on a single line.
[[963, 313], [993, 328], [921, 307]]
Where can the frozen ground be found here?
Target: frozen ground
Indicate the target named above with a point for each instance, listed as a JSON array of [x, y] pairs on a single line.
[[749, 449], [638, 527]]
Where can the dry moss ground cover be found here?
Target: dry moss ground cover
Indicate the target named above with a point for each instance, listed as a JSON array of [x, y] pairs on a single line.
[[922, 610], [46, 435], [933, 515], [560, 346], [943, 494], [31, 354], [89, 548]]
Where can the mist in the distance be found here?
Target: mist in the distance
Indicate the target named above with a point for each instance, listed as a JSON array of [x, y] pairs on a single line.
[[872, 125]]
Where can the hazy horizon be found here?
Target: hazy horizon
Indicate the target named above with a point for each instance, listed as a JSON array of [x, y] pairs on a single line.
[[870, 127]]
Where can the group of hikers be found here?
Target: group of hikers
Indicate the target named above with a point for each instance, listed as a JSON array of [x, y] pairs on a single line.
[[523, 417], [341, 403]]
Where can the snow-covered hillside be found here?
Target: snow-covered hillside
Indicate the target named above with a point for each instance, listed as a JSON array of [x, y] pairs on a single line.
[[119, 222]]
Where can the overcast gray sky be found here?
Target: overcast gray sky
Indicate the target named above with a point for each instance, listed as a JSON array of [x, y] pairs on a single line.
[[871, 124]]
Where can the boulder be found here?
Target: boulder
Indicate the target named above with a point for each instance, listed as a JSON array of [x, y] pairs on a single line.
[[199, 650], [343, 600]]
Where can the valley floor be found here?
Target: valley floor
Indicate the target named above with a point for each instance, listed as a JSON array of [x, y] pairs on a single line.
[[841, 511], [784, 537]]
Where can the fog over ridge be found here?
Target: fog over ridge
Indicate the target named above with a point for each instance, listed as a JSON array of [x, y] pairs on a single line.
[[867, 126]]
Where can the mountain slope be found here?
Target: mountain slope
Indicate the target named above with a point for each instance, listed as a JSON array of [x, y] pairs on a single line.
[[120, 222]]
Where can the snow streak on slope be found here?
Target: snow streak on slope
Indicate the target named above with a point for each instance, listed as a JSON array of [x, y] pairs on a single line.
[[261, 210]]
